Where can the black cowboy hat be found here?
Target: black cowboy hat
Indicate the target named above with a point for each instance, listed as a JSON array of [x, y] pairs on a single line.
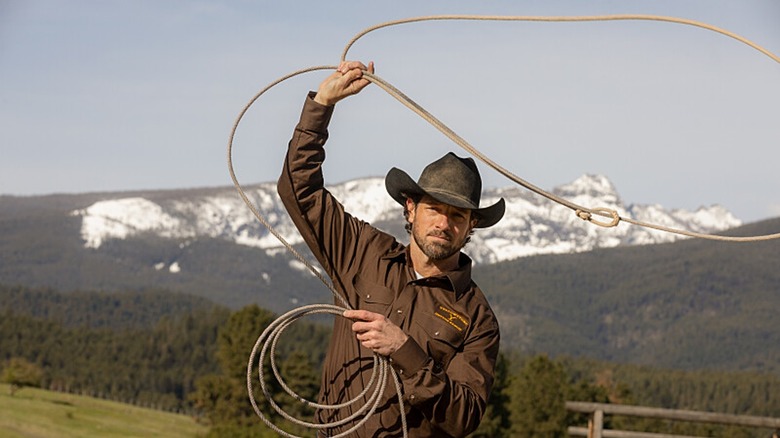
[[452, 180]]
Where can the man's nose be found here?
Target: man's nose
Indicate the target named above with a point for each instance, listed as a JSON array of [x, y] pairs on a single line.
[[443, 221]]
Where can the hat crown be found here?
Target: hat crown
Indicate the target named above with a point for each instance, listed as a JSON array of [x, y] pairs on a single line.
[[453, 177]]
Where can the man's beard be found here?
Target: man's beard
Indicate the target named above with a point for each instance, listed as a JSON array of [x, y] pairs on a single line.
[[437, 250]]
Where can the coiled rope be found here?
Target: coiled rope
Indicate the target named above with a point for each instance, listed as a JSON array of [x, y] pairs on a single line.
[[270, 336], [376, 384]]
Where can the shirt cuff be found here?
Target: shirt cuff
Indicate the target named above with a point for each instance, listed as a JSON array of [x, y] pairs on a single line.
[[315, 116], [409, 359]]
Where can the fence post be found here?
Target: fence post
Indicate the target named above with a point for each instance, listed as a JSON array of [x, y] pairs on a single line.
[[596, 425]]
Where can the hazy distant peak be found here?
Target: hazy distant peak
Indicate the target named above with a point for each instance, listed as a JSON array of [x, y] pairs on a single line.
[[590, 186]]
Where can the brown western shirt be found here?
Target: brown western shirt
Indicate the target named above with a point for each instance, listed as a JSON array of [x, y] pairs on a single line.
[[446, 366]]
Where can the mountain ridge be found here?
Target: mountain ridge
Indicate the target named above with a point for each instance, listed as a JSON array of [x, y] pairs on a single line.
[[532, 224]]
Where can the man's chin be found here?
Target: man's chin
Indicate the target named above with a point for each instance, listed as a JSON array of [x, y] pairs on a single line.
[[439, 252]]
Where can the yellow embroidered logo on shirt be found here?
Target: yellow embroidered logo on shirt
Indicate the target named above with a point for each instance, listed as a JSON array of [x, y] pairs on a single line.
[[452, 318]]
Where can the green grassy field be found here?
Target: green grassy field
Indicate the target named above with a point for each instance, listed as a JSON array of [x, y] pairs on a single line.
[[37, 413]]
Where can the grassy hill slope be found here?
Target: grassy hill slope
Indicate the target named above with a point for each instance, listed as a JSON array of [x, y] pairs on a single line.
[[34, 412]]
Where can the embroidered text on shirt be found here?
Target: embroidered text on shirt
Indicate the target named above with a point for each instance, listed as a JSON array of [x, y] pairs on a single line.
[[452, 318]]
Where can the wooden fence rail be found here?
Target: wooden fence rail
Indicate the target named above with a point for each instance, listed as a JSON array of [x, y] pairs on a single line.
[[597, 411]]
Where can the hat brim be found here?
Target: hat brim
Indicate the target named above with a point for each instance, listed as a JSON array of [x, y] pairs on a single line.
[[400, 186]]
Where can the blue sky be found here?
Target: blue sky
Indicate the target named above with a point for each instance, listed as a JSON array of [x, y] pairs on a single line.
[[127, 95]]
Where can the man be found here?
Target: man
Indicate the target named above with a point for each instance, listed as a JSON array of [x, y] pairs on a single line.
[[415, 304]]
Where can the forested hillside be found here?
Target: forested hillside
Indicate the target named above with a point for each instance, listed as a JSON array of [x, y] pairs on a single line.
[[125, 310], [694, 304], [152, 364], [689, 304], [190, 355], [145, 348]]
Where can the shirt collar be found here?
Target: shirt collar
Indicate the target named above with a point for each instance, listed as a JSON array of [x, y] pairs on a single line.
[[459, 279]]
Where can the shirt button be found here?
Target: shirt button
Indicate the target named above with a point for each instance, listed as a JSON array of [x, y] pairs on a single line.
[[436, 334], [399, 311], [411, 397], [368, 296]]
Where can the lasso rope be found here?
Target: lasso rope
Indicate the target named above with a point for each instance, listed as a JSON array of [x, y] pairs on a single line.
[[378, 380], [270, 336], [584, 213]]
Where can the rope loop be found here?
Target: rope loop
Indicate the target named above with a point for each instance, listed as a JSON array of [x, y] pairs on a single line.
[[371, 396], [587, 215]]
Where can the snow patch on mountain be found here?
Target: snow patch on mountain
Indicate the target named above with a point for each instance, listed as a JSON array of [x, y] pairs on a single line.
[[121, 218], [532, 224]]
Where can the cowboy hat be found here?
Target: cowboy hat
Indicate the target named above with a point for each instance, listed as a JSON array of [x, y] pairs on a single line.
[[451, 180]]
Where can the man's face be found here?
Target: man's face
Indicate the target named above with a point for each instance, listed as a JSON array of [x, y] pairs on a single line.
[[438, 229]]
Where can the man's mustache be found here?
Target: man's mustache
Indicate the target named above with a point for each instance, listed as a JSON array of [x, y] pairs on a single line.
[[440, 234]]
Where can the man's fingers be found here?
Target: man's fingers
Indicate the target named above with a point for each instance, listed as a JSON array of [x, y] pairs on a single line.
[[351, 76], [350, 65], [364, 321], [361, 315], [360, 327], [365, 337]]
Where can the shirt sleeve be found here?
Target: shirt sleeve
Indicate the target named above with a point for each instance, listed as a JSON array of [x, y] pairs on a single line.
[[327, 229]]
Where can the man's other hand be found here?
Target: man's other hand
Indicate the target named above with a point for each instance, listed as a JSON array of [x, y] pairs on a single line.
[[376, 332]]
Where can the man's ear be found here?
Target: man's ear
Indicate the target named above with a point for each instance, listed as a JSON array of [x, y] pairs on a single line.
[[410, 206]]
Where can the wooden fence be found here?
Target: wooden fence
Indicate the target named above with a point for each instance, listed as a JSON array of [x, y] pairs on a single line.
[[597, 411]]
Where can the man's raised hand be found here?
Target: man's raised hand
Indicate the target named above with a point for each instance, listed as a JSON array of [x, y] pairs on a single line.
[[345, 81]]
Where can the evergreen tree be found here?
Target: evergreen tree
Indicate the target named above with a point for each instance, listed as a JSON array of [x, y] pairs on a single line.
[[496, 420], [538, 400], [299, 375], [223, 398], [237, 337]]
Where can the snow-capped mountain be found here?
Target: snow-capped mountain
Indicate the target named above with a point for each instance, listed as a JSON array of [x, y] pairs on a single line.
[[532, 224]]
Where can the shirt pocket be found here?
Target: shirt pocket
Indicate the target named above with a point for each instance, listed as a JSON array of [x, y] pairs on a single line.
[[442, 340], [373, 296]]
